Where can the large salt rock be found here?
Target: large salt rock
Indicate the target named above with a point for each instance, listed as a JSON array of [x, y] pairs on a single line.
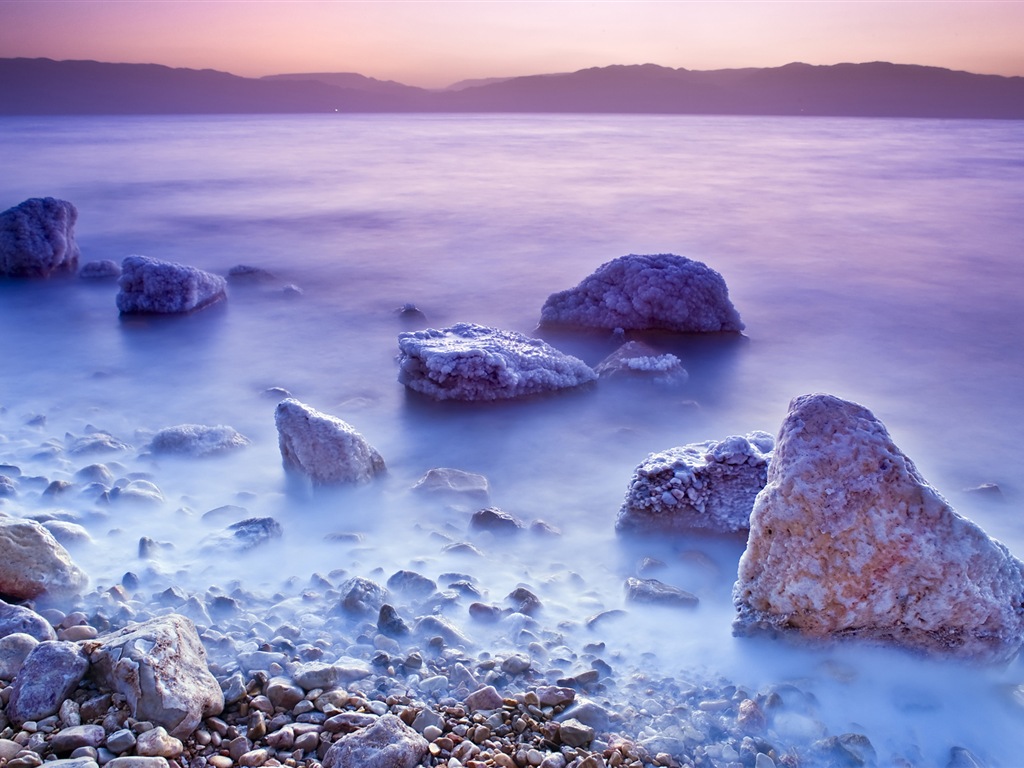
[[656, 292], [848, 540], [706, 486], [197, 440], [153, 286], [322, 447], [473, 362], [37, 238], [33, 565], [388, 743], [160, 668]]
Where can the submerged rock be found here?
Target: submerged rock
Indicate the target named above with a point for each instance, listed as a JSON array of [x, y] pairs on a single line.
[[705, 486], [152, 286], [197, 440], [848, 540], [325, 449], [648, 292], [37, 238], [447, 482], [106, 269], [634, 359], [34, 565], [473, 362], [658, 593]]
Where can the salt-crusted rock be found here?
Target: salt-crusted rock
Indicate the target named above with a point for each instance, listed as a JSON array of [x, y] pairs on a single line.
[[160, 668], [51, 671], [709, 486], [658, 593], [18, 618], [388, 743], [37, 238], [34, 565], [472, 362], [444, 481], [848, 540], [635, 359], [662, 291], [322, 447], [197, 440], [100, 270], [153, 286]]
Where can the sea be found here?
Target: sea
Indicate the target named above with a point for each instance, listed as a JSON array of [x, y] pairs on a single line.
[[880, 260]]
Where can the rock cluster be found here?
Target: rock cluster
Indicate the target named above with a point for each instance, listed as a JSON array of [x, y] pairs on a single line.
[[151, 286], [37, 238]]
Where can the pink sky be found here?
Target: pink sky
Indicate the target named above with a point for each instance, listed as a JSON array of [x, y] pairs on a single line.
[[432, 44]]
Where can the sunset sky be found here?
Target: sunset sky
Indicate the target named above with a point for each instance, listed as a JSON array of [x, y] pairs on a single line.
[[432, 44]]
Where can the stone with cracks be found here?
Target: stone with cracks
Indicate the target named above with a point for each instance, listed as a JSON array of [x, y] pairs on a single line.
[[197, 440], [37, 238], [324, 448], [473, 362], [847, 540], [151, 286], [160, 667], [388, 743], [33, 565], [648, 292], [707, 486]]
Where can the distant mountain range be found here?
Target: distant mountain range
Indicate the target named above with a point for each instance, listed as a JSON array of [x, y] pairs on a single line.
[[877, 89]]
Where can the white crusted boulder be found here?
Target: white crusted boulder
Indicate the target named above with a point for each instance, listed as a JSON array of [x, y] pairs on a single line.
[[473, 362], [37, 238], [707, 486], [387, 743], [162, 287], [160, 667], [649, 292], [848, 540], [33, 565], [635, 359], [197, 440], [322, 447]]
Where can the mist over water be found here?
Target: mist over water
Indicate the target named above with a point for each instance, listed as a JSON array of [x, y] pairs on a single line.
[[879, 260]]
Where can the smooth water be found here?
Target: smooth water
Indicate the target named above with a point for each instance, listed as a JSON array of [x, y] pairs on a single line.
[[878, 260]]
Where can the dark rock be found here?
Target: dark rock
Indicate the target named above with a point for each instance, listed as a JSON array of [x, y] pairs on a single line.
[[496, 520], [48, 676]]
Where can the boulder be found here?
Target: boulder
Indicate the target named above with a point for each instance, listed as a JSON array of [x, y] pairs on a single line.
[[33, 565], [472, 362], [160, 667], [197, 440], [16, 619], [656, 292], [37, 238], [707, 486], [324, 448], [847, 540], [637, 360], [162, 287], [388, 743], [50, 673]]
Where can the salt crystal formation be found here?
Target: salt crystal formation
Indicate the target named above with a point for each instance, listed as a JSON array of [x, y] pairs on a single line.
[[707, 486], [37, 238], [322, 447], [639, 360], [848, 540], [162, 287], [662, 291], [472, 362]]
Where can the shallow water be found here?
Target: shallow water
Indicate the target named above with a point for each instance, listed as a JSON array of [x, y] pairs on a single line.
[[879, 260]]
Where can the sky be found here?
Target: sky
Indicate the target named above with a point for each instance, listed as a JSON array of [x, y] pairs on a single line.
[[433, 44]]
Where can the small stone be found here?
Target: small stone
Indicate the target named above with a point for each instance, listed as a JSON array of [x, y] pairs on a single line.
[[158, 743], [69, 739], [485, 698], [120, 741], [254, 758], [574, 733]]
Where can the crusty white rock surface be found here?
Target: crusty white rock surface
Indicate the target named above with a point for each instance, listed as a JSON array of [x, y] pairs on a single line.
[[473, 362], [152, 286], [37, 238], [634, 359], [704, 486], [646, 292], [848, 540], [323, 447]]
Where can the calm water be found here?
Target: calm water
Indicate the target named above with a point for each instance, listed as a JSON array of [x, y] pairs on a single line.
[[879, 260]]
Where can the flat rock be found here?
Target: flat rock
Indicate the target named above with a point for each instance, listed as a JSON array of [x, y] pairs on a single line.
[[637, 360], [50, 673], [496, 520], [473, 362], [161, 287], [847, 540], [387, 743], [33, 564], [324, 448], [197, 440], [707, 486], [658, 593], [448, 482], [37, 238], [647, 292]]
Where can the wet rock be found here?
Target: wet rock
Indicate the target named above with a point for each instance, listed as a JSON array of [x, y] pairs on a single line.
[[361, 596], [14, 649], [254, 531], [104, 269], [390, 623], [68, 534], [34, 565], [637, 360], [496, 520], [8, 488], [850, 750], [658, 593], [120, 741], [158, 743], [37, 238], [454, 483], [96, 442], [139, 492], [314, 674], [848, 540], [51, 671], [662, 291], [246, 273], [987, 491], [197, 440], [574, 733], [486, 698], [523, 601], [412, 584], [963, 758], [160, 667], [323, 448], [284, 692], [18, 618], [704, 486], [430, 626], [388, 743], [66, 741], [473, 362], [149, 285]]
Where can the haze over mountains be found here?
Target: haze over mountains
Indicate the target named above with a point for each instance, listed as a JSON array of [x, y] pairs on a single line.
[[877, 89]]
